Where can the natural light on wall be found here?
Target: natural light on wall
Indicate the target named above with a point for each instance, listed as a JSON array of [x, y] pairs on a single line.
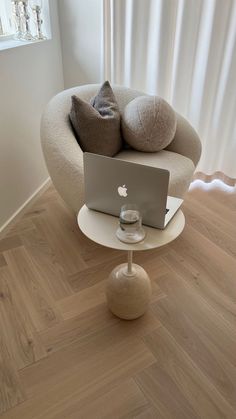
[[23, 21]]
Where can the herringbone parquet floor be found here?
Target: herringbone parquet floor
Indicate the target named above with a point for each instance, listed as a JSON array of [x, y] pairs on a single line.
[[64, 355]]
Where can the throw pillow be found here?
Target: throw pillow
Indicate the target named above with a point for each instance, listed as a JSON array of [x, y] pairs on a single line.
[[97, 125], [148, 123]]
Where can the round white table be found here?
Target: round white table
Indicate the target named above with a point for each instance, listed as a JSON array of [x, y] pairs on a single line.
[[128, 288]]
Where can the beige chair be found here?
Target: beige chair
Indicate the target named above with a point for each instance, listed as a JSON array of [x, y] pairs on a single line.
[[64, 157]]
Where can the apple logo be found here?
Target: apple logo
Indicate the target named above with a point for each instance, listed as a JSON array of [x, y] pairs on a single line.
[[122, 190]]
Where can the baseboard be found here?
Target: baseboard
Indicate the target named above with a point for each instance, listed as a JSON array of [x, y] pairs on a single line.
[[23, 208]]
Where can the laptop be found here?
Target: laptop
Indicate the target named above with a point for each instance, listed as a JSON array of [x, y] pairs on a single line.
[[111, 183]]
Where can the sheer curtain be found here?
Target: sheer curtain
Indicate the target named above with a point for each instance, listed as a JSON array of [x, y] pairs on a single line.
[[184, 51]]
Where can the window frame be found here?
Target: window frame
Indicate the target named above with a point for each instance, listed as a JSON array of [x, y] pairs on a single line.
[[8, 38]]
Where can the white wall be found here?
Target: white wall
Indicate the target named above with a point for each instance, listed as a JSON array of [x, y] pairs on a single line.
[[81, 36], [29, 76]]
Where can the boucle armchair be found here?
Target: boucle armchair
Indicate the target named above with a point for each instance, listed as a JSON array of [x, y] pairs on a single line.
[[64, 157]]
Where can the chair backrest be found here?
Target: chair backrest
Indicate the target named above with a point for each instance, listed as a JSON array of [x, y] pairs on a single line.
[[62, 101], [56, 131], [55, 118]]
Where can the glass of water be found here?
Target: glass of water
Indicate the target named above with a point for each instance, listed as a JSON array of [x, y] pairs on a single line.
[[130, 224]]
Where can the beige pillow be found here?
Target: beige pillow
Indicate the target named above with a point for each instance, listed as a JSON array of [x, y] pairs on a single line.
[[148, 123], [97, 125]]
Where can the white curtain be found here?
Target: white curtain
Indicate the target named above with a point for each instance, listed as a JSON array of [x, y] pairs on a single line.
[[184, 51]]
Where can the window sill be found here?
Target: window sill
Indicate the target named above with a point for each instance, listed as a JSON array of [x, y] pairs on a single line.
[[9, 42]]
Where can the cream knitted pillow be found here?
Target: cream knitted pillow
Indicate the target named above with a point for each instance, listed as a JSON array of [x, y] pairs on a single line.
[[148, 123]]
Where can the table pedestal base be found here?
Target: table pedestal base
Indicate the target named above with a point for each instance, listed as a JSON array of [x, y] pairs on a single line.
[[128, 291]]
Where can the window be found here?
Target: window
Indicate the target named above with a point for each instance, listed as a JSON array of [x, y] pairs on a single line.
[[23, 21], [6, 26]]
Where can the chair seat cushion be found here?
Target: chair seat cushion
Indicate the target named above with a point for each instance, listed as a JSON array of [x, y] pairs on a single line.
[[181, 168]]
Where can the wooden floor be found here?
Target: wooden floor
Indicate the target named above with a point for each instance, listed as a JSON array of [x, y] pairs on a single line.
[[64, 355]]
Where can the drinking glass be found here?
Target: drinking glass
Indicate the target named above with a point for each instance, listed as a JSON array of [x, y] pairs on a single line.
[[130, 224]]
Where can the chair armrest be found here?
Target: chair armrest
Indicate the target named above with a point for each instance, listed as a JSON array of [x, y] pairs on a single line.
[[62, 153], [186, 141]]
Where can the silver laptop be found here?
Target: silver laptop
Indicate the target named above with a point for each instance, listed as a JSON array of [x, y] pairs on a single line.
[[111, 183]]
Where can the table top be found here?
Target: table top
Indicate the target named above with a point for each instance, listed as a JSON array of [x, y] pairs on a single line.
[[101, 228]]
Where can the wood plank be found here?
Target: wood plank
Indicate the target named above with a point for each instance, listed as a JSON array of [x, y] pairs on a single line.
[[218, 209], [94, 274], [53, 277], [218, 192], [19, 333], [2, 261], [208, 257], [40, 305], [68, 331], [62, 241], [11, 393], [91, 297], [94, 254], [209, 323], [78, 360], [217, 230], [203, 353], [124, 401], [21, 225], [34, 212], [94, 321], [201, 279], [164, 394], [90, 252], [220, 195], [9, 243], [148, 413], [151, 262], [87, 370], [82, 301], [195, 387]]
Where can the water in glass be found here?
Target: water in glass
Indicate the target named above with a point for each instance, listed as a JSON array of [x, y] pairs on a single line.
[[130, 229]]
